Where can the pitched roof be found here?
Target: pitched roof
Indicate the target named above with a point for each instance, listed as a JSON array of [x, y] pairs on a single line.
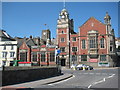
[[20, 41], [91, 18], [30, 42], [5, 37]]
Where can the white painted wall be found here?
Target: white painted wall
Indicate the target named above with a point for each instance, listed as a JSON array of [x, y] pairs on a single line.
[[8, 44], [117, 43]]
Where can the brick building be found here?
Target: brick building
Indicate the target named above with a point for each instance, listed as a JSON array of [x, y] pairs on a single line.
[[64, 29], [94, 44], [38, 51]]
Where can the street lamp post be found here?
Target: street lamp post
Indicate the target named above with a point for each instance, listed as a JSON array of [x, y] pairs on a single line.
[[69, 50], [69, 55]]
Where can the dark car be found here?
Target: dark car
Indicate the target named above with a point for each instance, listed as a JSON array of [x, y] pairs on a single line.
[[89, 67]]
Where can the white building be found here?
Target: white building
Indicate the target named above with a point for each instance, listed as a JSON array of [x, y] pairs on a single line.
[[117, 42], [8, 49]]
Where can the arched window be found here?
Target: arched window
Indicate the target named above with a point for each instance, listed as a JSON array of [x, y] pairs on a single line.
[[102, 43], [83, 44]]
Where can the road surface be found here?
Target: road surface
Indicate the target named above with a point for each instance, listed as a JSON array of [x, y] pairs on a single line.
[[99, 78]]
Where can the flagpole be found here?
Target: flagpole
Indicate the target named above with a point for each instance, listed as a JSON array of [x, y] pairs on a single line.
[[64, 4]]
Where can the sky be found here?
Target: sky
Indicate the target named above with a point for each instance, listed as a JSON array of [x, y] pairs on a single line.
[[22, 19]]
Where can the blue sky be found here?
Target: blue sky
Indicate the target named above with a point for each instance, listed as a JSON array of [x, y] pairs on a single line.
[[28, 18]]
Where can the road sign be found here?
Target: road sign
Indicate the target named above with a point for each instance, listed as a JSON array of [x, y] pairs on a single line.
[[103, 64], [58, 51]]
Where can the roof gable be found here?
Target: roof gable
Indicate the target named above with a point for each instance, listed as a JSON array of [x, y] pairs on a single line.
[[24, 46], [30, 42], [93, 20]]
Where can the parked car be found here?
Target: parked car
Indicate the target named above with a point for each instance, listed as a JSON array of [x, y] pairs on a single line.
[[89, 67], [81, 67], [73, 66]]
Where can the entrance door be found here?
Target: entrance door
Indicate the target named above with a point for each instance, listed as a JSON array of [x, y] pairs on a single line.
[[62, 62]]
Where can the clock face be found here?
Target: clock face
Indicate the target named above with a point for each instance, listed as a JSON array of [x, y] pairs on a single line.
[[44, 33]]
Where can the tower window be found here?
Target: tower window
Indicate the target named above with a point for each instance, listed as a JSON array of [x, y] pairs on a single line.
[[62, 39], [74, 39], [74, 49], [62, 49], [62, 32]]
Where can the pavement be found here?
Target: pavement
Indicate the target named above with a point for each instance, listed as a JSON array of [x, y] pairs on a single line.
[[38, 82]]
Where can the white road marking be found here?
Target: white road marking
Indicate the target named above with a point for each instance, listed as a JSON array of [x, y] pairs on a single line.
[[103, 80], [111, 76], [89, 86], [96, 82], [61, 81]]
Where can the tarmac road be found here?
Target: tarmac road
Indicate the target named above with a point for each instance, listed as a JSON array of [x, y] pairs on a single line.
[[99, 78]]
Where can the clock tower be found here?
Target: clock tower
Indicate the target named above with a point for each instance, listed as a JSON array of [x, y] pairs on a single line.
[[64, 30], [46, 34]]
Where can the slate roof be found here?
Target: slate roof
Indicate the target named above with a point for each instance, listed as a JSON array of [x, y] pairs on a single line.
[[5, 37], [29, 41]]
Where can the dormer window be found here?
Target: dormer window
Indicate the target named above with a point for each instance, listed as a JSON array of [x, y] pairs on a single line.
[[62, 39]]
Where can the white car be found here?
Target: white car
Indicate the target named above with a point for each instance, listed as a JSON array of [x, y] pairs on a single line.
[[81, 67], [73, 66]]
